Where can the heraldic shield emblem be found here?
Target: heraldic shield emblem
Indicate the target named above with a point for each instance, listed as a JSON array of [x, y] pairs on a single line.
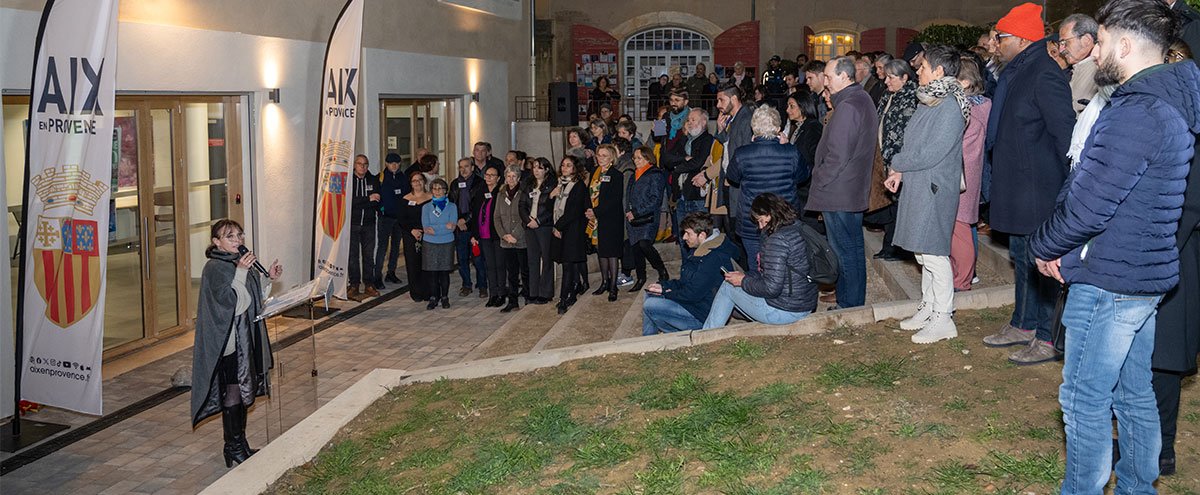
[[66, 267], [332, 208]]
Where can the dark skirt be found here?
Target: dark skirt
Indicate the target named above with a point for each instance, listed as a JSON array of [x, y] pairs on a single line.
[[610, 236], [437, 257]]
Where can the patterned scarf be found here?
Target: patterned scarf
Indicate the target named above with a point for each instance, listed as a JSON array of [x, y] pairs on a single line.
[[935, 92], [595, 190]]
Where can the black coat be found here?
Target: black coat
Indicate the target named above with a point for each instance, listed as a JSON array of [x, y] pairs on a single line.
[[571, 247], [1029, 132], [362, 209], [545, 213], [681, 169], [474, 187], [805, 137], [782, 278], [1177, 336], [610, 214]]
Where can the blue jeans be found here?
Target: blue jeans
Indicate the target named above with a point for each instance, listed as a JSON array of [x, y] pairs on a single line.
[[755, 308], [844, 231], [1106, 370], [462, 245], [660, 314], [1035, 294], [682, 208]]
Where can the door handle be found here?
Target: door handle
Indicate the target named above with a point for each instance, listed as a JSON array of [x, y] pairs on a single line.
[[147, 242]]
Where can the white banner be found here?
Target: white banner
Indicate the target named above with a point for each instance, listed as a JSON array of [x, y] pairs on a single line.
[[68, 173], [335, 156]]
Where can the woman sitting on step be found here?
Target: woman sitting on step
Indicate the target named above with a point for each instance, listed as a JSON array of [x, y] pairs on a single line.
[[779, 292]]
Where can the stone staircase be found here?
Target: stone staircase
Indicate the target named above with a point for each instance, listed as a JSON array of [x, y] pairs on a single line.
[[595, 319]]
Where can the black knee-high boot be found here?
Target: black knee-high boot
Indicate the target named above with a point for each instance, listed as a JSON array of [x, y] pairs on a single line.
[[242, 426], [235, 435]]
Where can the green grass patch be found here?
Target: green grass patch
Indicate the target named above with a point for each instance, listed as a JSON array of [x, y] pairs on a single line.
[[659, 396], [882, 373], [550, 423], [602, 447], [953, 477], [498, 462], [1036, 467], [663, 476], [745, 349]]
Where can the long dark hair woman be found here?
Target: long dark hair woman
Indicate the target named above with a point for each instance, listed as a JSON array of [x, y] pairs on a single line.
[[606, 218], [511, 230], [645, 193], [602, 94], [779, 291], [483, 233], [537, 210], [409, 218], [569, 246], [231, 358]]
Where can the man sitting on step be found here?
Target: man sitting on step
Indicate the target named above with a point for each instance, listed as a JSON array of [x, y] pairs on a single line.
[[683, 303]]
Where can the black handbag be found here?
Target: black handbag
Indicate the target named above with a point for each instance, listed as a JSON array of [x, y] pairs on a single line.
[[642, 220], [1058, 331]]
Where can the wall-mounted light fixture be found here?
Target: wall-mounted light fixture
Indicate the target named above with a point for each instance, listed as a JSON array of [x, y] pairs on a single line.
[[475, 97], [273, 95]]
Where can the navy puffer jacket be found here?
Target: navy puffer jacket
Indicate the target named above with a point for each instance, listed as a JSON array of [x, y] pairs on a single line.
[[1114, 226], [765, 166], [783, 272]]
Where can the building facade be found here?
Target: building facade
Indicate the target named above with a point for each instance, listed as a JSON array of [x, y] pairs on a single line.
[[634, 42], [202, 140]]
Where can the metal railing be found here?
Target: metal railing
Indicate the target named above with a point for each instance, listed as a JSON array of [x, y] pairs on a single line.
[[537, 108]]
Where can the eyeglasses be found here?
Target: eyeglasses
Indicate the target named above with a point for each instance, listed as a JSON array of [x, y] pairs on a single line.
[[1063, 42], [1000, 36], [232, 236], [491, 175]]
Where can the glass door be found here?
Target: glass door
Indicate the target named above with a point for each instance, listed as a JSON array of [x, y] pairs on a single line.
[[176, 170], [409, 125]]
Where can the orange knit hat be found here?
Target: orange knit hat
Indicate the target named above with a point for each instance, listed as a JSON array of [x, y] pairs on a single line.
[[1024, 21]]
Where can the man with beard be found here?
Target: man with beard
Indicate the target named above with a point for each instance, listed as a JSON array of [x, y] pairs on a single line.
[[695, 84], [678, 114], [1112, 237], [685, 161], [1028, 134], [733, 131], [814, 76]]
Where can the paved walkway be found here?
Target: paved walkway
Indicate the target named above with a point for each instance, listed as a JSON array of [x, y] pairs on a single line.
[[157, 452]]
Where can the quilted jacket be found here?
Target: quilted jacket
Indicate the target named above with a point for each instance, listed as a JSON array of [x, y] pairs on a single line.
[[1115, 223]]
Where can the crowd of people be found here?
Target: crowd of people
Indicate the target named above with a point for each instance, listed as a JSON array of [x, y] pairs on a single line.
[[1076, 148]]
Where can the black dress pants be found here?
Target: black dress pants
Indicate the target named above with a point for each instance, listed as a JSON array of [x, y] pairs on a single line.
[[362, 254]]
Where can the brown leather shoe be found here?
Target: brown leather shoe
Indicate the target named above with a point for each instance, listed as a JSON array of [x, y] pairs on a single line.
[[371, 292], [353, 294], [829, 298], [483, 293]]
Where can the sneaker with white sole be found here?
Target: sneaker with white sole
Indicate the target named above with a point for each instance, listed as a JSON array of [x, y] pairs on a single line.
[[1037, 352], [918, 320], [939, 327], [1008, 335], [624, 280]]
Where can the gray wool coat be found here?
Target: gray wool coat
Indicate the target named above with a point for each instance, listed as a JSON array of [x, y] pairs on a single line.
[[932, 163]]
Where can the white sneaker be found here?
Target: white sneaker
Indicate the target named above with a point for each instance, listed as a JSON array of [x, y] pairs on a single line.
[[940, 327], [918, 321], [624, 280], [975, 280]]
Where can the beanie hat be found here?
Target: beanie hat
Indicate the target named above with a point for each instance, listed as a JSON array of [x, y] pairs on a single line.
[[1024, 21], [392, 158]]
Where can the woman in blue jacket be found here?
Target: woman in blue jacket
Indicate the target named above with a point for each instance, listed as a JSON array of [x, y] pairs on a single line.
[[778, 292], [439, 217]]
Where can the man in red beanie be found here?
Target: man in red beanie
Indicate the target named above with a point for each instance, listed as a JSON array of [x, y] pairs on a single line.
[[1029, 130]]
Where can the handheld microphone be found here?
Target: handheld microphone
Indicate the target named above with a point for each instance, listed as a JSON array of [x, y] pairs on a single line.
[[242, 250]]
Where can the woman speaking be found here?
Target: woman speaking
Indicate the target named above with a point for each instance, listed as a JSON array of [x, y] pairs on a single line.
[[231, 359]]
